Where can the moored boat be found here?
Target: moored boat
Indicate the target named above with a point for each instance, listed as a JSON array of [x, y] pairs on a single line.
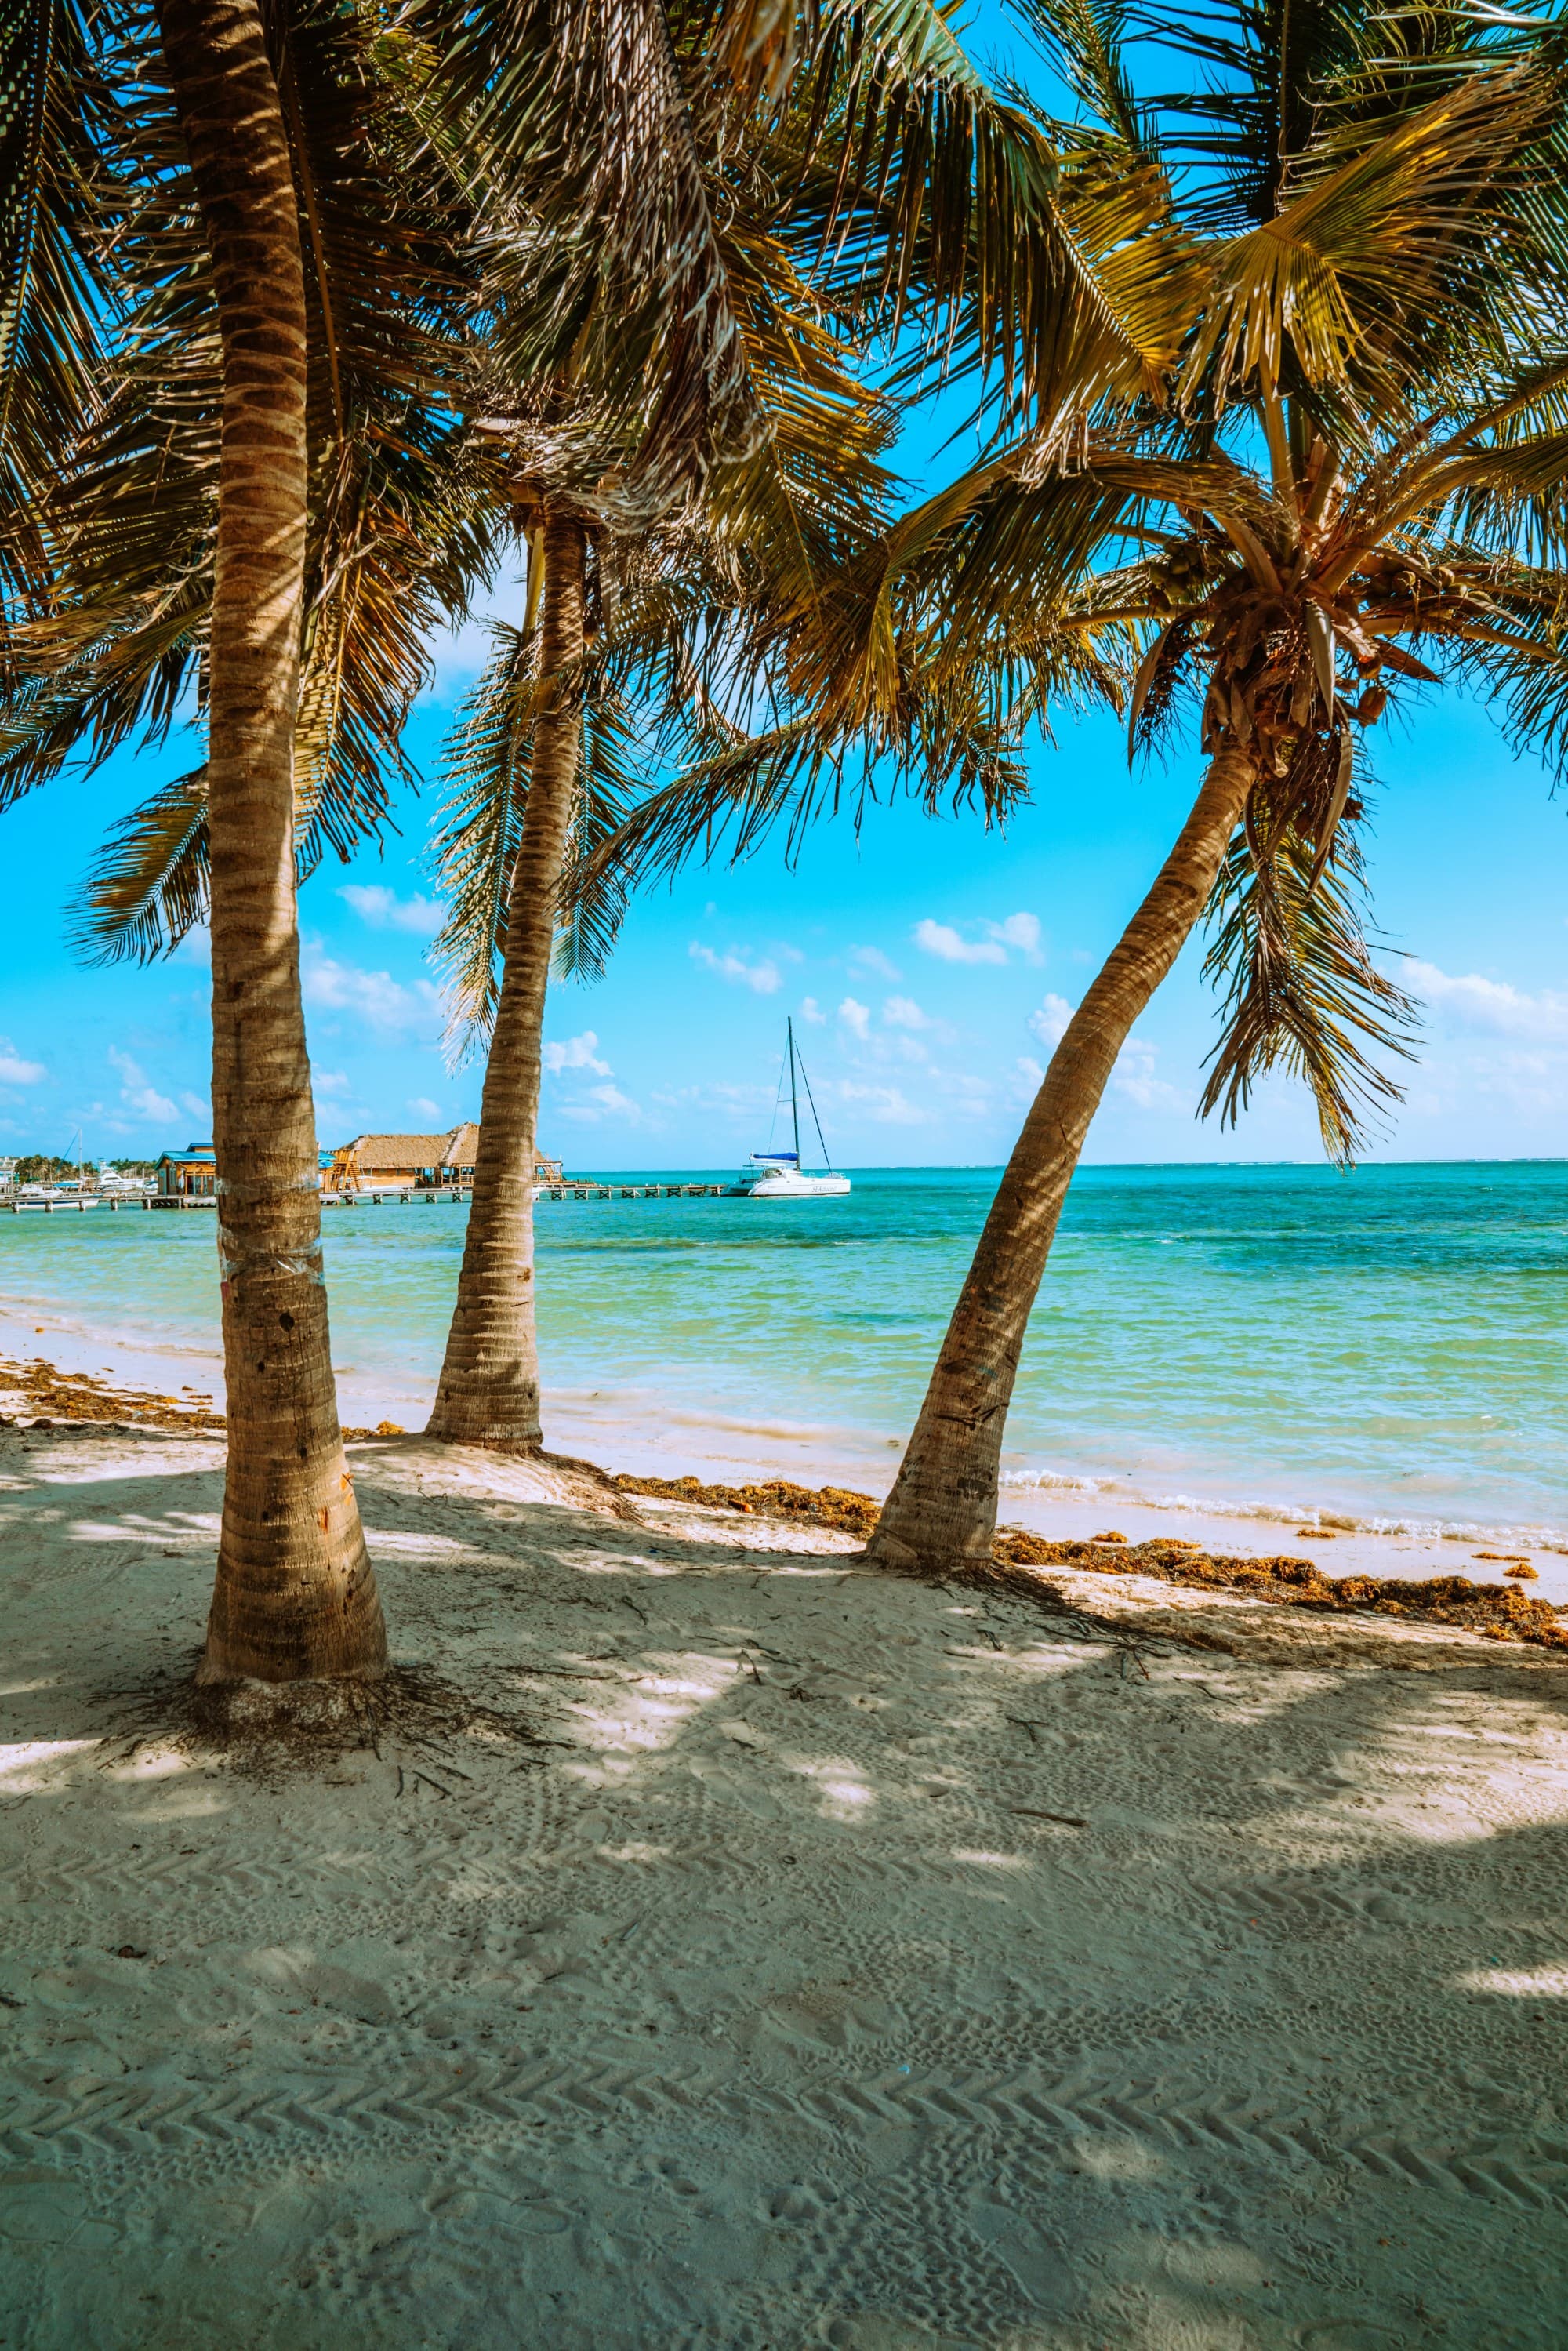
[[779, 1175]]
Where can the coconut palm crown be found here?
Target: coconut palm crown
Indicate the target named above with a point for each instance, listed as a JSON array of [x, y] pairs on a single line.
[[1350, 489], [1341, 485]]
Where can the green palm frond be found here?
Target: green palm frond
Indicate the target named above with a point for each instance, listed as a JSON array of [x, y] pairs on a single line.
[[953, 742], [403, 515], [479, 826], [1343, 284], [1086, 41], [594, 893], [149, 886], [56, 295], [1301, 992]]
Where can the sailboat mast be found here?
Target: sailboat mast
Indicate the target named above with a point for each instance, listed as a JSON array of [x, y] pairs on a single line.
[[794, 1105]]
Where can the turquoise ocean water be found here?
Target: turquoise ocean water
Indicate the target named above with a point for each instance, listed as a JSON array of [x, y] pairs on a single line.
[[1389, 1348]]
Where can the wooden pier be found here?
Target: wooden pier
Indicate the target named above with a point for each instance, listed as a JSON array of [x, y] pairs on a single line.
[[372, 1199], [568, 1190]]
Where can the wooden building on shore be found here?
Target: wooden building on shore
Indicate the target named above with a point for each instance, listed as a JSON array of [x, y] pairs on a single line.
[[407, 1163], [188, 1174]]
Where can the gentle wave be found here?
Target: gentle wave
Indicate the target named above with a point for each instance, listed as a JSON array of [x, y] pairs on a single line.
[[1303, 1514]]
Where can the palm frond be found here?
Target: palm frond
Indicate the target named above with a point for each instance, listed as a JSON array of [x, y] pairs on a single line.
[[594, 888], [479, 826], [1346, 283], [56, 295], [1300, 991], [149, 886]]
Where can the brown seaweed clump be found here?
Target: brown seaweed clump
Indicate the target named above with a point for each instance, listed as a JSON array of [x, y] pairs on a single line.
[[1500, 1611], [53, 1395], [824, 1506]]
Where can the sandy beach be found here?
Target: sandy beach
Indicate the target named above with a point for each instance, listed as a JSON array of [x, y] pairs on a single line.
[[739, 1948]]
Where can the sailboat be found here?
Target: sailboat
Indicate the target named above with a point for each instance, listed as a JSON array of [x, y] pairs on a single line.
[[779, 1174]]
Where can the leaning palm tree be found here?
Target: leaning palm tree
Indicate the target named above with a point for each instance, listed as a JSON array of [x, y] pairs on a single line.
[[235, 518], [1351, 486], [625, 613]]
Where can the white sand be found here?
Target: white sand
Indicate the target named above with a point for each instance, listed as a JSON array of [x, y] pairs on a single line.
[[773, 2008]]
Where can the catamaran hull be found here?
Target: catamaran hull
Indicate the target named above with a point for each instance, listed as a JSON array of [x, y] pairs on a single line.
[[798, 1187]]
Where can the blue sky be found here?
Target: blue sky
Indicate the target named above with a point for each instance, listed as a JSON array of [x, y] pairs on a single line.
[[928, 968]]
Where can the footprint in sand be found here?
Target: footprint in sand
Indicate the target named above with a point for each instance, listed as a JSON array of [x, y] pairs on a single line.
[[48, 2208], [483, 2209], [822, 2016]]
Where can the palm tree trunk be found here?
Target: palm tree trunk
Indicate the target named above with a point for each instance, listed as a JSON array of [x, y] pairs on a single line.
[[488, 1392], [295, 1595], [943, 1507]]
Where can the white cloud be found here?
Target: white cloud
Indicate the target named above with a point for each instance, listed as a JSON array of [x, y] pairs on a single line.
[[940, 939], [380, 1000], [734, 1102], [1048, 1021], [330, 1081], [873, 960], [884, 1105], [762, 976], [1020, 931], [856, 1018], [386, 911], [15, 1070], [601, 1102], [1503, 1046], [198, 1108], [577, 1053], [813, 1011], [140, 1099], [1491, 1006], [423, 1107], [1030, 1075], [1134, 1079], [902, 1012]]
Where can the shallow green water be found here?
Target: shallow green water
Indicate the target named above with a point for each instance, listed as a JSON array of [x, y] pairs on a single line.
[[1389, 1346]]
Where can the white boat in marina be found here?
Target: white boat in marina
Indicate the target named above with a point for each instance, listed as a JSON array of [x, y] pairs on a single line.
[[779, 1175]]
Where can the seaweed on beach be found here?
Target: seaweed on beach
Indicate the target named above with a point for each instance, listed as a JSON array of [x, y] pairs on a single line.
[[55, 1395], [1499, 1611], [823, 1506]]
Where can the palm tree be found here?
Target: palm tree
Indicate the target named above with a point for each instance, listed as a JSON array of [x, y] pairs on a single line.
[[233, 488], [296, 1596], [1353, 483], [660, 216], [488, 1392]]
